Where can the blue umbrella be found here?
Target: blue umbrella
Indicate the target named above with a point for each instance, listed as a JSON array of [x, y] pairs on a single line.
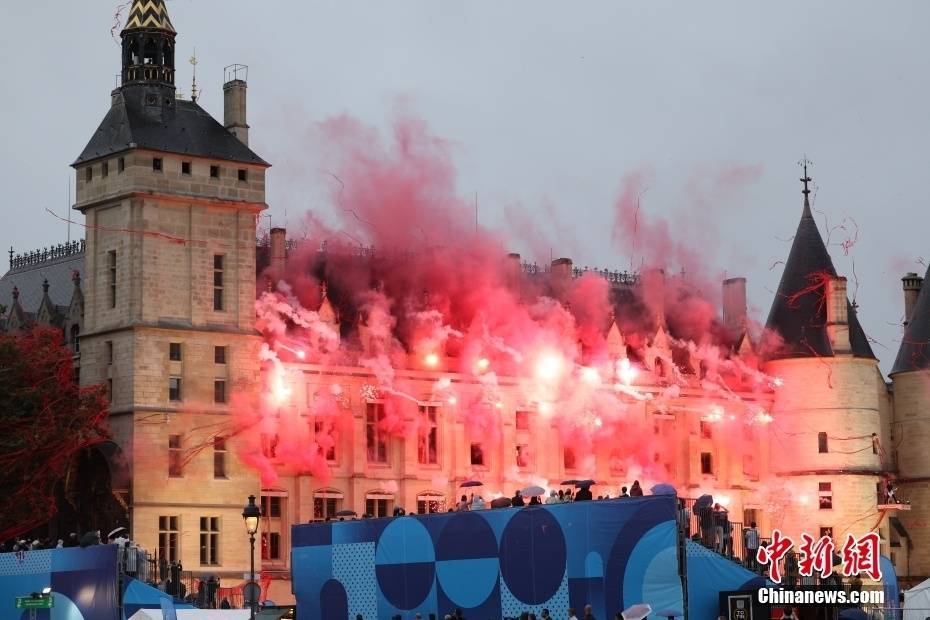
[[471, 483], [664, 489]]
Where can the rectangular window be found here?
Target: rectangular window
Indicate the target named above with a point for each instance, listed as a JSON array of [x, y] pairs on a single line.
[[376, 438], [186, 167], [110, 390], [377, 507], [822, 443], [175, 457], [826, 530], [174, 351], [209, 541], [707, 463], [271, 546], [169, 535], [522, 419], [243, 174], [120, 165], [109, 352], [111, 262], [269, 445], [156, 164], [218, 282], [219, 457], [219, 391], [105, 169], [219, 355], [89, 174], [523, 456], [428, 440], [214, 172], [271, 506], [323, 432], [174, 389], [707, 431], [477, 454], [825, 495], [568, 458], [750, 469], [325, 507]]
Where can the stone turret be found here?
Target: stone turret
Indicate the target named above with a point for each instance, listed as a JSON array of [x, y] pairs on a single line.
[[831, 400]]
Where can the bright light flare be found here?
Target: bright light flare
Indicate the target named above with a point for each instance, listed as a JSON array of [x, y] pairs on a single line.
[[763, 418], [723, 500], [499, 405], [590, 375], [452, 400], [549, 366], [778, 382], [715, 414], [803, 499], [598, 422], [626, 372], [281, 392], [431, 360], [483, 364], [301, 354], [545, 408]]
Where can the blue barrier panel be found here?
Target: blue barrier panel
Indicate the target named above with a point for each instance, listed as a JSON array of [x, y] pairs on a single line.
[[491, 563], [83, 582]]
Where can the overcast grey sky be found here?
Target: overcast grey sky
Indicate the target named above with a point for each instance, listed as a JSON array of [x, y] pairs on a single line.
[[548, 105]]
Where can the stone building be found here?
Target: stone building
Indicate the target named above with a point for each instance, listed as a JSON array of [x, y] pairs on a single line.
[[158, 305]]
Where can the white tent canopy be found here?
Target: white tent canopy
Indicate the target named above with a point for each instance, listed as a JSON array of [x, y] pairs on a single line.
[[916, 602], [194, 614]]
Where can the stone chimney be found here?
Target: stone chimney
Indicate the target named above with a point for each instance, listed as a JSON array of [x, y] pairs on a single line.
[[560, 276], [911, 283], [837, 315], [234, 117], [734, 305], [278, 253]]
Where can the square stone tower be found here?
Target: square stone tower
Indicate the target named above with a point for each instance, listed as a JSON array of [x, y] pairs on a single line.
[[171, 198]]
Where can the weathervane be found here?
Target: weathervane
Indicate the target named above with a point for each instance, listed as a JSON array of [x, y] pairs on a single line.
[[193, 61], [804, 163]]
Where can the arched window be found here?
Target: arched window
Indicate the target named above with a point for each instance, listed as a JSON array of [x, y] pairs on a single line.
[[75, 338], [168, 54], [151, 53], [133, 51], [429, 502]]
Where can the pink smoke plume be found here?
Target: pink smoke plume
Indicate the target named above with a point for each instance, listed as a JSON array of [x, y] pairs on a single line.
[[438, 293]]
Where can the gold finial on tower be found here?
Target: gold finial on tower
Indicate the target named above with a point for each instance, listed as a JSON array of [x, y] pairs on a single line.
[[194, 91]]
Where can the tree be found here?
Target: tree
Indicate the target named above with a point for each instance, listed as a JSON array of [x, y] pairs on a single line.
[[47, 420]]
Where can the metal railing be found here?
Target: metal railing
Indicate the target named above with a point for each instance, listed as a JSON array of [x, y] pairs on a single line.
[[37, 257]]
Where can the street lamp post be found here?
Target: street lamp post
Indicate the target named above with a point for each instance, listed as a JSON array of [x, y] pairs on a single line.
[[252, 514]]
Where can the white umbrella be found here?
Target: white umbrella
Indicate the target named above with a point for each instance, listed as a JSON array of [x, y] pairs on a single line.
[[637, 612], [533, 491]]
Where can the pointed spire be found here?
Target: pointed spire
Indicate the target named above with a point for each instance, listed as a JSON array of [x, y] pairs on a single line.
[[149, 14], [798, 311]]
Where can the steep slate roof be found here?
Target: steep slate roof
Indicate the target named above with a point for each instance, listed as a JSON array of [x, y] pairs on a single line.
[[914, 353], [191, 131], [29, 281], [799, 312]]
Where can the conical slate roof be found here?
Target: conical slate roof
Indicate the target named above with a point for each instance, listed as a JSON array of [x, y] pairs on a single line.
[[149, 14], [914, 353], [799, 311]]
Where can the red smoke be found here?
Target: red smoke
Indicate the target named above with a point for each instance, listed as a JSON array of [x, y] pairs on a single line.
[[438, 293]]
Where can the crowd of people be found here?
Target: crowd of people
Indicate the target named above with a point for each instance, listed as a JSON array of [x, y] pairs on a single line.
[[562, 496]]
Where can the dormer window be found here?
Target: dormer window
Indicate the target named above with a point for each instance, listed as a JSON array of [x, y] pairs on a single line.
[[243, 175], [156, 164], [185, 167], [89, 173]]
